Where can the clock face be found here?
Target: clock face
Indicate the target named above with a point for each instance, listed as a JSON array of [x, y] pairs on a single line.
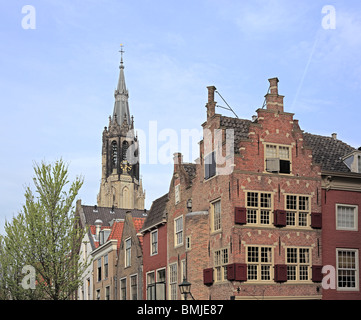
[[125, 166]]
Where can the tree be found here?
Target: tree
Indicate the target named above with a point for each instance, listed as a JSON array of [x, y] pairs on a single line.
[[45, 236]]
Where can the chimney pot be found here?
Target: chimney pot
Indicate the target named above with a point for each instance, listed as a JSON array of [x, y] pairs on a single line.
[[98, 224], [334, 136]]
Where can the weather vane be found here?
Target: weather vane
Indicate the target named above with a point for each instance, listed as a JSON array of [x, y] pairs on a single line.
[[121, 52]]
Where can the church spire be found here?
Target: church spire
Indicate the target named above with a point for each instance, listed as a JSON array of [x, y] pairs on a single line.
[[121, 107]]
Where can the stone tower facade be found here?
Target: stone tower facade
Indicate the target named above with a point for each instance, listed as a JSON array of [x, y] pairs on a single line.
[[120, 185]]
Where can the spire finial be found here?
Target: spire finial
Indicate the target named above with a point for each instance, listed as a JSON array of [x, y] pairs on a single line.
[[121, 55]]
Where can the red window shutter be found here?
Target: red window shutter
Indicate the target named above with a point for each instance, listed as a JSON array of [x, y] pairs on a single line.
[[279, 218], [237, 272], [317, 274], [280, 273], [208, 276], [316, 220], [240, 215]]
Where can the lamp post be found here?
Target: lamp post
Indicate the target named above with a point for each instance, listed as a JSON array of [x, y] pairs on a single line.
[[185, 288]]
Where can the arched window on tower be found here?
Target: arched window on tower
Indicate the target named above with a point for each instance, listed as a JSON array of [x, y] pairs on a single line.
[[114, 153], [124, 150], [126, 199]]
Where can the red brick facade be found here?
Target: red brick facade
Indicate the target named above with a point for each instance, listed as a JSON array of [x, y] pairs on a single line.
[[216, 241], [338, 239]]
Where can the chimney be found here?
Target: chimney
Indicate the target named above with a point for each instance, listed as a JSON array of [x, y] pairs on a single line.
[[177, 159], [334, 136], [98, 224], [274, 101], [211, 105]]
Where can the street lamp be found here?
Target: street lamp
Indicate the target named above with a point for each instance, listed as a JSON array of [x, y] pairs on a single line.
[[185, 288]]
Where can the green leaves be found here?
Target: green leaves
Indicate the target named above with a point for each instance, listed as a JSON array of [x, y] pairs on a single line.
[[45, 236]]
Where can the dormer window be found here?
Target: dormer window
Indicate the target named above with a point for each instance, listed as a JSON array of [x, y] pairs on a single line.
[[353, 161], [277, 159]]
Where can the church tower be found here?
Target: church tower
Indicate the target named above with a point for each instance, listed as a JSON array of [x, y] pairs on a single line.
[[120, 184]]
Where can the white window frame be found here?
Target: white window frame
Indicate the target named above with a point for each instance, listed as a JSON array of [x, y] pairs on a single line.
[[153, 250], [178, 233], [357, 270], [355, 217], [173, 281]]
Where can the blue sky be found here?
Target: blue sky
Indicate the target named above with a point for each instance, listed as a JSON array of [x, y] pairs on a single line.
[[57, 81]]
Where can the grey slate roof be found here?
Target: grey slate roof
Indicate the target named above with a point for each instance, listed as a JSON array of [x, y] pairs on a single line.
[[106, 215], [328, 152], [157, 212], [191, 169], [240, 126]]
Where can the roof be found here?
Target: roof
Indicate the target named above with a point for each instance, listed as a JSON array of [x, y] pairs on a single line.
[[157, 212], [121, 107], [191, 169], [328, 152], [240, 126], [106, 214]]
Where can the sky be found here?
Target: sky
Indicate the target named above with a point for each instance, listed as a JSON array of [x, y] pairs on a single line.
[[59, 64]]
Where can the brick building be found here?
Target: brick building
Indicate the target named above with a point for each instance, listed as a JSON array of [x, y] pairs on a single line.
[[130, 260], [341, 200], [101, 247], [154, 233], [253, 227]]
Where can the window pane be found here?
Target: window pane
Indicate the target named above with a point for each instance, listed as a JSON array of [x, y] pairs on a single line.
[[303, 203], [271, 151], [284, 153], [252, 199], [346, 217], [291, 202], [252, 254], [291, 255], [265, 200], [290, 218], [346, 269], [251, 216]]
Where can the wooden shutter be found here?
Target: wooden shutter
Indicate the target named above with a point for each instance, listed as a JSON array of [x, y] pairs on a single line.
[[240, 215], [237, 272], [280, 273], [272, 165], [285, 166], [208, 276], [316, 220], [317, 274], [279, 218]]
